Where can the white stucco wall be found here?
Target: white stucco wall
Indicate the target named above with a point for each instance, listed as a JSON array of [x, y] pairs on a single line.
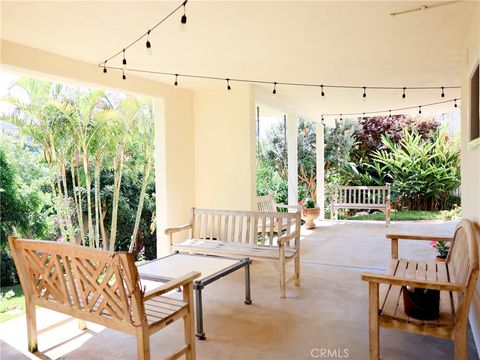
[[225, 148], [470, 160], [174, 161]]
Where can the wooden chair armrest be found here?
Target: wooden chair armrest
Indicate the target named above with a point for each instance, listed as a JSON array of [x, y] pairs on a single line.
[[418, 237], [426, 284], [283, 239], [174, 230], [173, 284]]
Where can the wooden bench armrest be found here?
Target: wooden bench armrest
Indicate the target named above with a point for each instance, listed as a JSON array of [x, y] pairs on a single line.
[[426, 284], [395, 237], [283, 239], [173, 284], [418, 237], [173, 230]]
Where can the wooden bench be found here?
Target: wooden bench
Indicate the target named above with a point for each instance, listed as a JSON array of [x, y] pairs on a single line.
[[101, 287], [362, 197], [456, 279], [267, 203], [240, 234]]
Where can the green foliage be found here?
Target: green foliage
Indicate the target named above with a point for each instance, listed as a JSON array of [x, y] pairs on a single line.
[[424, 173], [97, 151], [272, 172], [441, 248], [21, 211], [309, 203], [407, 215]]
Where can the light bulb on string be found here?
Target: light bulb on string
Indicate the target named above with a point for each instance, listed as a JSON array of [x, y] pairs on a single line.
[[390, 114], [183, 20], [420, 110], [404, 95], [455, 103], [124, 77], [176, 80], [321, 89], [105, 67], [124, 61], [274, 92], [364, 93], [443, 93], [148, 45], [228, 85]]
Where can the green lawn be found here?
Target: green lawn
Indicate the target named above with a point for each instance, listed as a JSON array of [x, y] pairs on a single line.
[[14, 306], [401, 216]]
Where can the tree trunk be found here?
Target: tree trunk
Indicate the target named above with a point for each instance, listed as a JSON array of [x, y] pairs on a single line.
[[89, 198], [141, 199], [97, 202], [116, 196]]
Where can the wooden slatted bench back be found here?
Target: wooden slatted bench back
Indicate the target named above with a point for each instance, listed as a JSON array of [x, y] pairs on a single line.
[[249, 227], [362, 195], [266, 203], [85, 283], [462, 263]]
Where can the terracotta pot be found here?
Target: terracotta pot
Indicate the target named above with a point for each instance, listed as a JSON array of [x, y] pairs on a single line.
[[310, 215], [440, 259]]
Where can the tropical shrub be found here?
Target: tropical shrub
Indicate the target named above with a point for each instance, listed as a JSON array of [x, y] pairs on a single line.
[[423, 173]]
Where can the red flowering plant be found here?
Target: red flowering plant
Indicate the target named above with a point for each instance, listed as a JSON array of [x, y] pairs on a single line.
[[441, 247]]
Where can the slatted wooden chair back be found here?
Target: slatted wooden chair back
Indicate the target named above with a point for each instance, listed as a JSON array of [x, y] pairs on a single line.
[[463, 265], [266, 203], [249, 227], [87, 283], [362, 195]]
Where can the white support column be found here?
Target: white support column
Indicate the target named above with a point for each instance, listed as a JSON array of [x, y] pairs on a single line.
[[320, 169], [292, 151]]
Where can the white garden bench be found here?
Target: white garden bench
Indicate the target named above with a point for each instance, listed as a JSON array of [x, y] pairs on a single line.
[[257, 235], [362, 197]]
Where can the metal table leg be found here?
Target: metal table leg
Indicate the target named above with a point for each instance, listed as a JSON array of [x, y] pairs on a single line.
[[199, 311], [248, 299]]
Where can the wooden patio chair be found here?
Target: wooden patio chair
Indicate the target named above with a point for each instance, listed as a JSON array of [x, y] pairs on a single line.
[[101, 287], [456, 279], [267, 203]]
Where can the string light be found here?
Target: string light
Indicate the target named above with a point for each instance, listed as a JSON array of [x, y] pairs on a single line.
[[184, 16], [364, 92], [404, 95], [228, 85], [148, 45], [124, 77], [390, 114], [378, 112], [341, 117], [322, 93], [176, 80], [124, 62], [105, 67], [443, 92], [420, 109], [455, 103], [183, 21], [274, 92]]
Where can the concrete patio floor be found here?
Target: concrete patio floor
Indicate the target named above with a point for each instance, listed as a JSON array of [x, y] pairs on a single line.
[[328, 311]]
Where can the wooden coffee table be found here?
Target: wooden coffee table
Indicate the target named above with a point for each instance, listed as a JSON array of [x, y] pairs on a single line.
[[212, 268]]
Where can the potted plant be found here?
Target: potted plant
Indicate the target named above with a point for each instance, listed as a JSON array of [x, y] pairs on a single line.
[[310, 212], [441, 248]]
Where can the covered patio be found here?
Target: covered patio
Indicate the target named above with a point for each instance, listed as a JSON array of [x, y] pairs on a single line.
[[329, 310], [205, 148]]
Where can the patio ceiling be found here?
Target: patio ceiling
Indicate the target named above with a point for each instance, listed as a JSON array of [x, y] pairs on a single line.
[[315, 42]]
